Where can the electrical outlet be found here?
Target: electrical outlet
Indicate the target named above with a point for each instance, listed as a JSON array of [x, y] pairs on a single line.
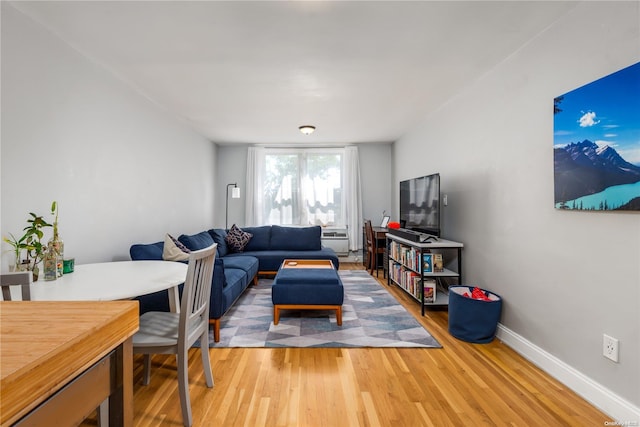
[[610, 347]]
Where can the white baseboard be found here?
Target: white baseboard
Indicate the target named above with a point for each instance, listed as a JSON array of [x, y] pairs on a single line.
[[616, 407], [354, 256]]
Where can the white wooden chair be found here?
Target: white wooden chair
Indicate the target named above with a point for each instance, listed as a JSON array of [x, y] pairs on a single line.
[[17, 278], [175, 333]]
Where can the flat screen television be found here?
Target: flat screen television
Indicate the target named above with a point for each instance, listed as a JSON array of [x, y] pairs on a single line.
[[420, 204]]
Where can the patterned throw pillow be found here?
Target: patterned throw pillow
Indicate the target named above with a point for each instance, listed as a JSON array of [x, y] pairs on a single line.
[[237, 239], [173, 250]]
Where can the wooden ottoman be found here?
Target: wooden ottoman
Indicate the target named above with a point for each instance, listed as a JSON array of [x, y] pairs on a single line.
[[307, 285]]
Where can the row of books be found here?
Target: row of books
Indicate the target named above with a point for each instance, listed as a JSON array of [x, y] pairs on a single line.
[[410, 257], [432, 263], [406, 255], [412, 282]]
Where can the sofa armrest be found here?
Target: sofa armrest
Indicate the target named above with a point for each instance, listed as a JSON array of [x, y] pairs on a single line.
[[151, 251], [218, 282]]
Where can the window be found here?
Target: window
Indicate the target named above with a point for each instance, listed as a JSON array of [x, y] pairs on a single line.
[[303, 187]]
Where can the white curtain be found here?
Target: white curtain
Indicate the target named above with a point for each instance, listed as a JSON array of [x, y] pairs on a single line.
[[353, 196], [352, 208], [255, 175]]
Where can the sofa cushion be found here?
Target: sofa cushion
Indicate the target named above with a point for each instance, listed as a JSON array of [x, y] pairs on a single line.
[[271, 260], [260, 239], [248, 264], [198, 241], [218, 235], [173, 250], [146, 252], [237, 239], [295, 238]]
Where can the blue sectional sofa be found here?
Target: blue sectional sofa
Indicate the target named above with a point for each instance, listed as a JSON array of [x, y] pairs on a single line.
[[235, 271], [271, 244]]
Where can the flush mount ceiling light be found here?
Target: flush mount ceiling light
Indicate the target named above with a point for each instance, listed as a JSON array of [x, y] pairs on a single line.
[[307, 129]]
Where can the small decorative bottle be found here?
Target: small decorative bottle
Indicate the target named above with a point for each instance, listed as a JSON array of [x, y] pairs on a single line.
[[50, 262], [58, 247], [57, 242]]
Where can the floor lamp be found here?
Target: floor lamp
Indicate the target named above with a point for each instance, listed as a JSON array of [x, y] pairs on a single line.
[[235, 194]]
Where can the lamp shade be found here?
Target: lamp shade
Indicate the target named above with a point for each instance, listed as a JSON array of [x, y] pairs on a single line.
[[235, 193]]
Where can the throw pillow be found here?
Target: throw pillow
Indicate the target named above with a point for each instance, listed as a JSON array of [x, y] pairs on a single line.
[[237, 239], [195, 242], [174, 250], [218, 235]]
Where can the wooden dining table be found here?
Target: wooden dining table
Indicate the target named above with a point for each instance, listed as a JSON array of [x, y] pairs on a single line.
[[59, 361], [69, 348]]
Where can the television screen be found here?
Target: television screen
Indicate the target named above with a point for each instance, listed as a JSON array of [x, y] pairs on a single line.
[[420, 204]]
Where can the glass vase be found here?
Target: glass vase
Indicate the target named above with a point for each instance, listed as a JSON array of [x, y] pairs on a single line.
[[50, 263], [58, 246]]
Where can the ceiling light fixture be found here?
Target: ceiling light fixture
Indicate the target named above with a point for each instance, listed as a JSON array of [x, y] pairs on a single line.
[[307, 129]]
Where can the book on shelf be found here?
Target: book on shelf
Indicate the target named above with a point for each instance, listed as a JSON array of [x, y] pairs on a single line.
[[438, 263], [427, 263], [429, 291]]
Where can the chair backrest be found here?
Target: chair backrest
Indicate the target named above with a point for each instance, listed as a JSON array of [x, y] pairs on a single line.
[[368, 232], [194, 307], [17, 278]]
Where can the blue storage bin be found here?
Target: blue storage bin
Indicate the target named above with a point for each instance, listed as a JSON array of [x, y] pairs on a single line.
[[473, 320]]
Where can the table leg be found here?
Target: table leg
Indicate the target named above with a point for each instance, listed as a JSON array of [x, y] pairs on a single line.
[[174, 299]]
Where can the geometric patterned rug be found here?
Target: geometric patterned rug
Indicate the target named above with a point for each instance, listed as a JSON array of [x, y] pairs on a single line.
[[371, 317]]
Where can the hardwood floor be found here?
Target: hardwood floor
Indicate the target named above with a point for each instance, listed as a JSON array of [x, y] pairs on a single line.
[[461, 384]]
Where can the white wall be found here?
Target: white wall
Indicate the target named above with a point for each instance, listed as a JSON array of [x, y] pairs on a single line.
[[566, 277], [231, 168], [377, 183], [121, 169]]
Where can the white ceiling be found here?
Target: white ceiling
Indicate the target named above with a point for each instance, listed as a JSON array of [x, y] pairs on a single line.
[[252, 72]]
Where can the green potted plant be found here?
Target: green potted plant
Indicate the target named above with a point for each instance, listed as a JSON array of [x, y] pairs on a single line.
[[18, 246], [34, 246], [31, 242]]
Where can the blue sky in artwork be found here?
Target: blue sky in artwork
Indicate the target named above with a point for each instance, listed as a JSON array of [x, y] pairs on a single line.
[[606, 111]]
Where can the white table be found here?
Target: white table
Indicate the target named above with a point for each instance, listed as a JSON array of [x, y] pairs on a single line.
[[110, 281]]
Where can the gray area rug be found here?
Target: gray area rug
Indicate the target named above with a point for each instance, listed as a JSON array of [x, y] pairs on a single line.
[[371, 317]]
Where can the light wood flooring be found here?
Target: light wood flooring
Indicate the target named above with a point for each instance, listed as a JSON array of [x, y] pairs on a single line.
[[461, 384]]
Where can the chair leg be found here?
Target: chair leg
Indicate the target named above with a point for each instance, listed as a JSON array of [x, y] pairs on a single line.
[[206, 361], [147, 370], [183, 389], [374, 263]]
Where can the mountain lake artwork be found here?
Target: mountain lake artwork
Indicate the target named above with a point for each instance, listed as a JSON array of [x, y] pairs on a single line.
[[596, 144]]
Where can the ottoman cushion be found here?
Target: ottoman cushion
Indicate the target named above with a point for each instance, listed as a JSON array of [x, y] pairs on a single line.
[[307, 276], [309, 286]]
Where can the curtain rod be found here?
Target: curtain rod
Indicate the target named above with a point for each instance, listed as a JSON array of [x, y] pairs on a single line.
[[302, 146]]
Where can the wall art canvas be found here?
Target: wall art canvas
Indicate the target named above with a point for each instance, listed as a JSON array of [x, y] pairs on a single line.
[[597, 144]]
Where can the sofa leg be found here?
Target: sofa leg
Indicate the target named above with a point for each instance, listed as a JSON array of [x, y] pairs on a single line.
[[216, 329], [255, 280]]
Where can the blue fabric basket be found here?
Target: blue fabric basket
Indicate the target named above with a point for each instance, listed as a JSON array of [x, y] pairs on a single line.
[[473, 320]]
